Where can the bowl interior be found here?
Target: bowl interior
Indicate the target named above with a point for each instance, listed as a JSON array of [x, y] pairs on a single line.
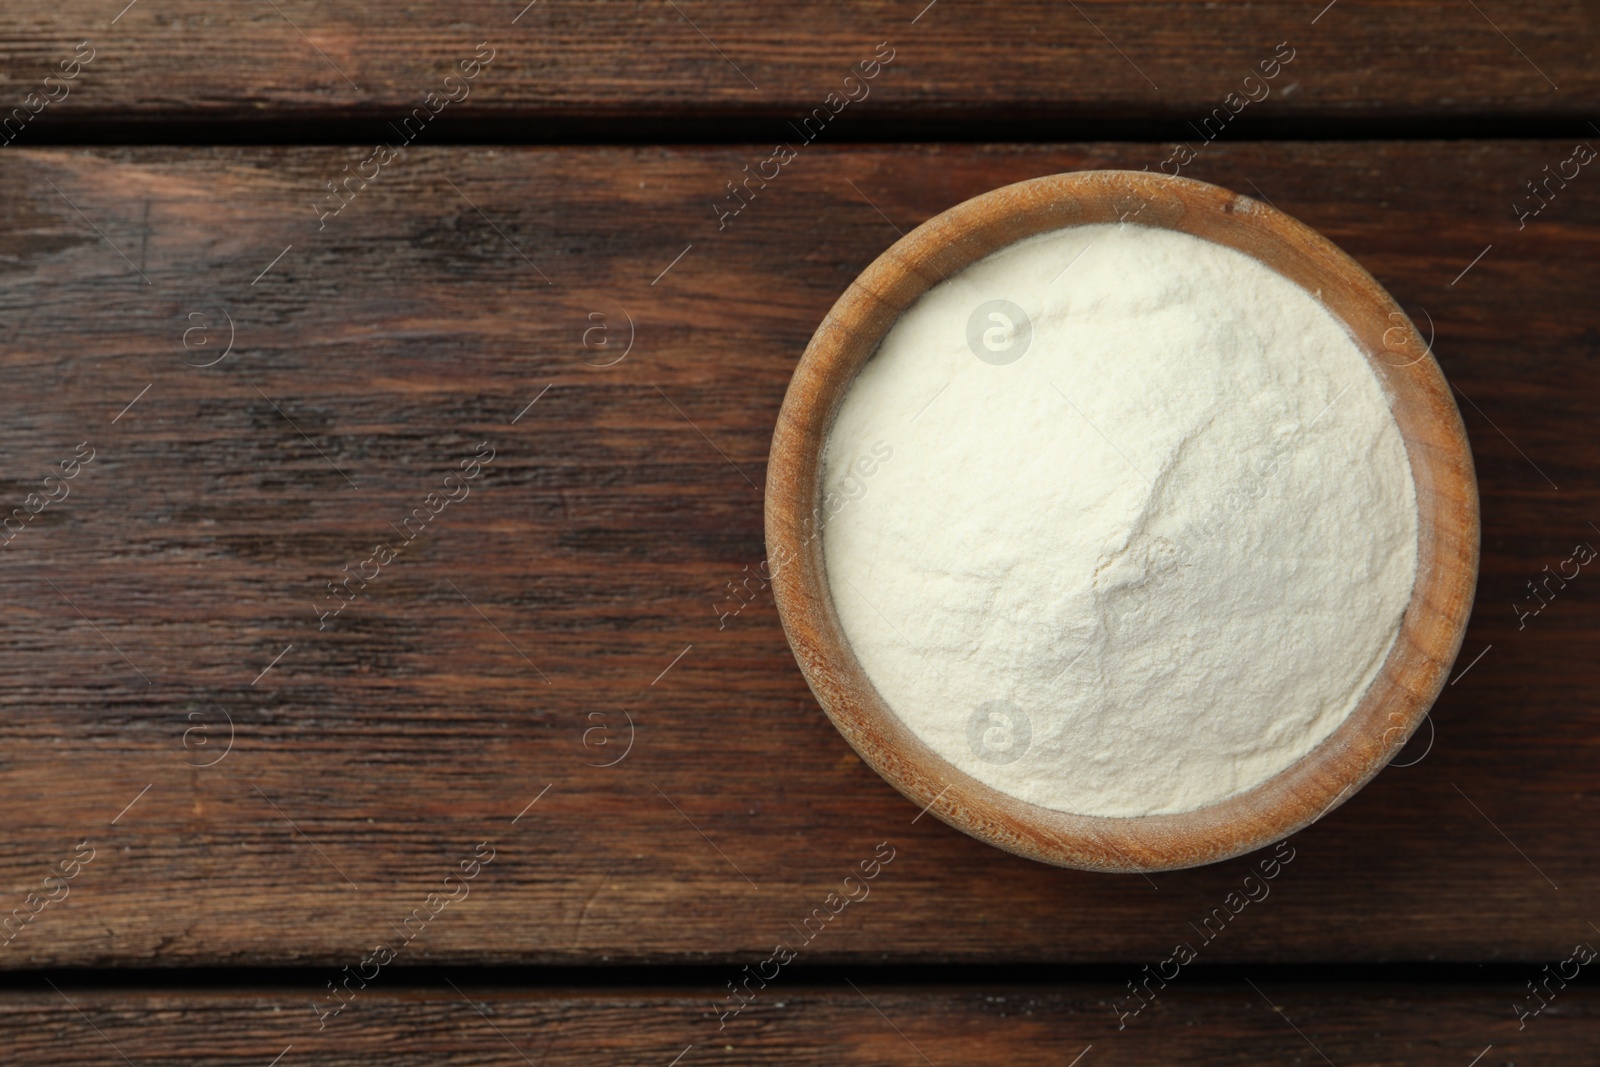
[[1429, 423]]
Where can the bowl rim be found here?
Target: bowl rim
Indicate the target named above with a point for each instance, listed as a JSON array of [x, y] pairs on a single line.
[[1412, 674]]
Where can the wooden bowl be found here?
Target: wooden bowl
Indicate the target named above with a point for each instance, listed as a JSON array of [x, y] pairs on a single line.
[[1436, 445]]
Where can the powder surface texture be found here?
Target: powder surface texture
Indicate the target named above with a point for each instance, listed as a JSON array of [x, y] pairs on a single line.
[[1119, 521]]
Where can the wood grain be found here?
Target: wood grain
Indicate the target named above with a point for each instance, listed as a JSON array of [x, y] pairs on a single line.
[[595, 550], [1032, 60], [1196, 1020]]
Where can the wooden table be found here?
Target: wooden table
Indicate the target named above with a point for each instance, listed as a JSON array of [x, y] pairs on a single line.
[[239, 793]]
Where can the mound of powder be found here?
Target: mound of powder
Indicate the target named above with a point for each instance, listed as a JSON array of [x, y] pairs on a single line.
[[1147, 531]]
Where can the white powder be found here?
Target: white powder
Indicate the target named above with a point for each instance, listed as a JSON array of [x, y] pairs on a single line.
[[1148, 563]]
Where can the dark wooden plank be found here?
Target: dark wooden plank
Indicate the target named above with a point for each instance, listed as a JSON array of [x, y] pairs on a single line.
[[597, 547], [1193, 1021], [1038, 58]]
